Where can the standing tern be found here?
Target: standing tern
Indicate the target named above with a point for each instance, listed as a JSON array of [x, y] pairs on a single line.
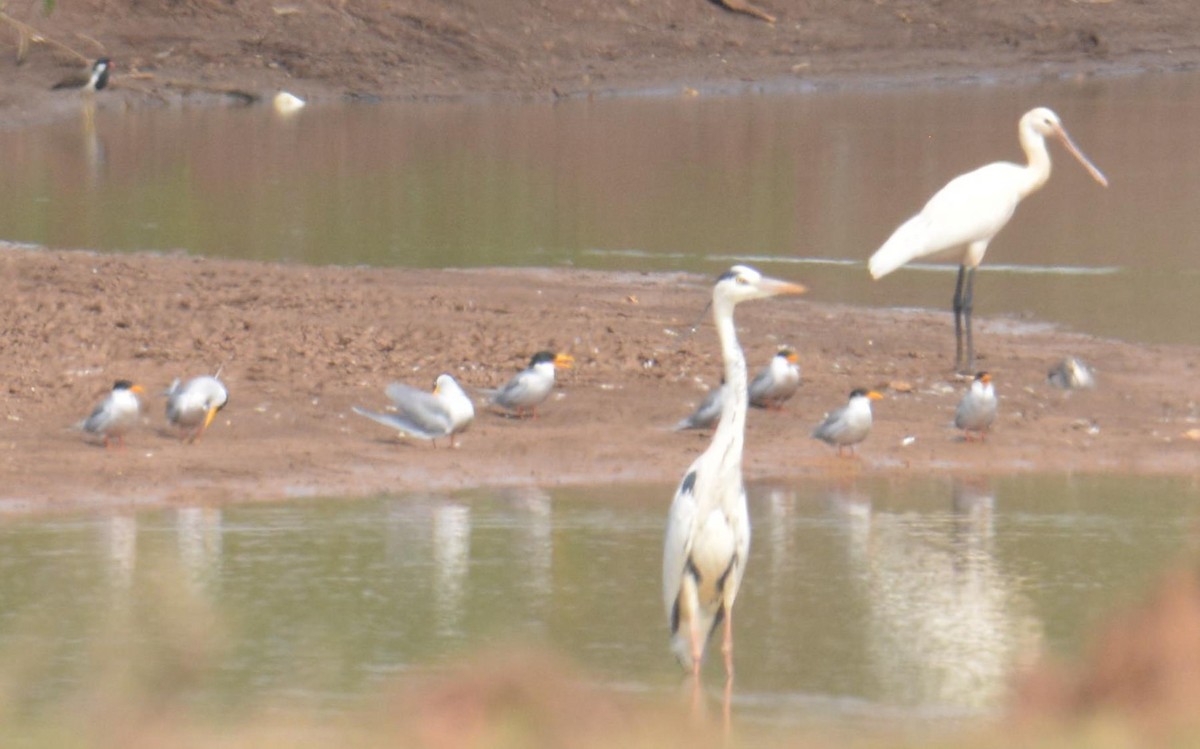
[[116, 414], [193, 405], [977, 410], [446, 412], [707, 413], [776, 382], [850, 424], [708, 529], [532, 385], [968, 213]]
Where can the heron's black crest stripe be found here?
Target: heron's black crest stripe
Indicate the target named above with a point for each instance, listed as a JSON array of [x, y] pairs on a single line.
[[688, 486], [727, 275], [691, 569], [675, 616]]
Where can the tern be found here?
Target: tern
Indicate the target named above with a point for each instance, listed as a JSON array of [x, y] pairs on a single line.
[[707, 413], [532, 385], [193, 405], [977, 410], [970, 211], [116, 414], [776, 382], [708, 529], [850, 424], [446, 412]]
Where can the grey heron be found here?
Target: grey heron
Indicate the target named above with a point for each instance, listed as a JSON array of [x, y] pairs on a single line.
[[708, 528]]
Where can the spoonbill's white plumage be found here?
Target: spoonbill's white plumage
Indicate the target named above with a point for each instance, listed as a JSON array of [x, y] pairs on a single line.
[[708, 528], [970, 210]]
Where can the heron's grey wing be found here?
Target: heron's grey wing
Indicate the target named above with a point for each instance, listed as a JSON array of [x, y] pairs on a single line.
[[407, 425]]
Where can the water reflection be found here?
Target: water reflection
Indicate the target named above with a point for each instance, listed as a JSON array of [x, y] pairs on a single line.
[[818, 178], [946, 624], [451, 555], [862, 598], [199, 537], [119, 538]]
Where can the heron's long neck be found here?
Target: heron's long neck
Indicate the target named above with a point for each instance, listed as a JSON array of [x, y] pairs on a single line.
[[731, 430], [1038, 169]]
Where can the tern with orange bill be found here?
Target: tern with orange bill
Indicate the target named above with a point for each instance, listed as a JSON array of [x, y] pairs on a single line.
[[976, 411], [776, 382], [193, 405], [531, 386], [446, 412], [847, 426], [116, 414]]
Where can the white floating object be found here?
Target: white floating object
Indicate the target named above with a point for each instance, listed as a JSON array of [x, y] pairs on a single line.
[[287, 103], [910, 439]]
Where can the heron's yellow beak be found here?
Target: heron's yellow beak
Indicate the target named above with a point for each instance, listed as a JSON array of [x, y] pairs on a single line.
[[138, 389], [775, 287], [564, 361], [792, 357], [208, 417], [874, 396], [986, 378]]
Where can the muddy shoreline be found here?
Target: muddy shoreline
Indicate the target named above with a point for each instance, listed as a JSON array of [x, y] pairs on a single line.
[[300, 346]]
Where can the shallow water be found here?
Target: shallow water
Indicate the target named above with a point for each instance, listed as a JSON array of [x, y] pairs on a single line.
[[872, 602], [669, 182]]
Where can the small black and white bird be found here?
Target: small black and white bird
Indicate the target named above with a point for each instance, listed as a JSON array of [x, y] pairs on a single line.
[[850, 424], [977, 410], [89, 80], [192, 406], [1071, 374], [776, 382], [532, 385], [708, 413], [446, 412], [116, 414]]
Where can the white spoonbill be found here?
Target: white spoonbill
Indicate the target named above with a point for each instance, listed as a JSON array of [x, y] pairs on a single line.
[[708, 529], [970, 210]]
